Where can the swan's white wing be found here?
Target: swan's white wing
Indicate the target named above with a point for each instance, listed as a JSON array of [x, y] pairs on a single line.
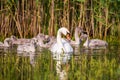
[[56, 48], [67, 46]]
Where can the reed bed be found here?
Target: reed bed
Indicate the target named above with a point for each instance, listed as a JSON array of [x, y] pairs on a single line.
[[27, 18]]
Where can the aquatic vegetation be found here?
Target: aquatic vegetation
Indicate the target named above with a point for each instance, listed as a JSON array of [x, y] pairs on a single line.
[[94, 65]]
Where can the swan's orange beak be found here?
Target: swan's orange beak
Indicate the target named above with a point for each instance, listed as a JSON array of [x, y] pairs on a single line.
[[68, 36]]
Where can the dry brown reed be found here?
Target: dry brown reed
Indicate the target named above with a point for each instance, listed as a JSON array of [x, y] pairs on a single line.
[[27, 18]]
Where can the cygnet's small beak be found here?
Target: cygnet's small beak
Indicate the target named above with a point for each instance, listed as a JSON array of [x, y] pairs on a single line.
[[68, 36]]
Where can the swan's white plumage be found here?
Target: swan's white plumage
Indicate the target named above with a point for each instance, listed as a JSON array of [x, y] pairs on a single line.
[[61, 46], [56, 48]]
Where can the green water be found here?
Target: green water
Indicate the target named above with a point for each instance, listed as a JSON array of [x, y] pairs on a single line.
[[83, 65]]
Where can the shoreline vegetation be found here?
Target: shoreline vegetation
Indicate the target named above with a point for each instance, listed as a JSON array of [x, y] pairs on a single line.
[[27, 18]]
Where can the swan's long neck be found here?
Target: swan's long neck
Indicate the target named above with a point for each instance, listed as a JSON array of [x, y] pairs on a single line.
[[77, 41], [86, 44], [6, 43], [59, 37], [59, 40]]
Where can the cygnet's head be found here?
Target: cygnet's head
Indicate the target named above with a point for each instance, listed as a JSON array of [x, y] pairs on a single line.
[[13, 37], [83, 36], [46, 39], [34, 41]]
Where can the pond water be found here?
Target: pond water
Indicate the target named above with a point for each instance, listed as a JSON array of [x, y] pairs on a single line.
[[100, 64]]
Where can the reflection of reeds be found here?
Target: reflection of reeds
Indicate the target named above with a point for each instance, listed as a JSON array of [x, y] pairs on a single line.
[[26, 18], [94, 68], [85, 66]]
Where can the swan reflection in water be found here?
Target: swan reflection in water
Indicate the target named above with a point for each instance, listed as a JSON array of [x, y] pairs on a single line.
[[31, 56], [62, 65]]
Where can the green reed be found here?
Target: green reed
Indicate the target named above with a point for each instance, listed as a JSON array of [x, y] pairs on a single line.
[[94, 68]]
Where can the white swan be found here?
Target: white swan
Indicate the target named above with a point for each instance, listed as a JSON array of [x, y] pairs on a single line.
[[61, 45], [94, 43]]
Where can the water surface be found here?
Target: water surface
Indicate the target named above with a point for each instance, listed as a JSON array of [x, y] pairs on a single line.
[[84, 64]]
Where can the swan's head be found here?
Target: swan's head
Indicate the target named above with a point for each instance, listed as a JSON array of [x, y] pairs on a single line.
[[65, 32]]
